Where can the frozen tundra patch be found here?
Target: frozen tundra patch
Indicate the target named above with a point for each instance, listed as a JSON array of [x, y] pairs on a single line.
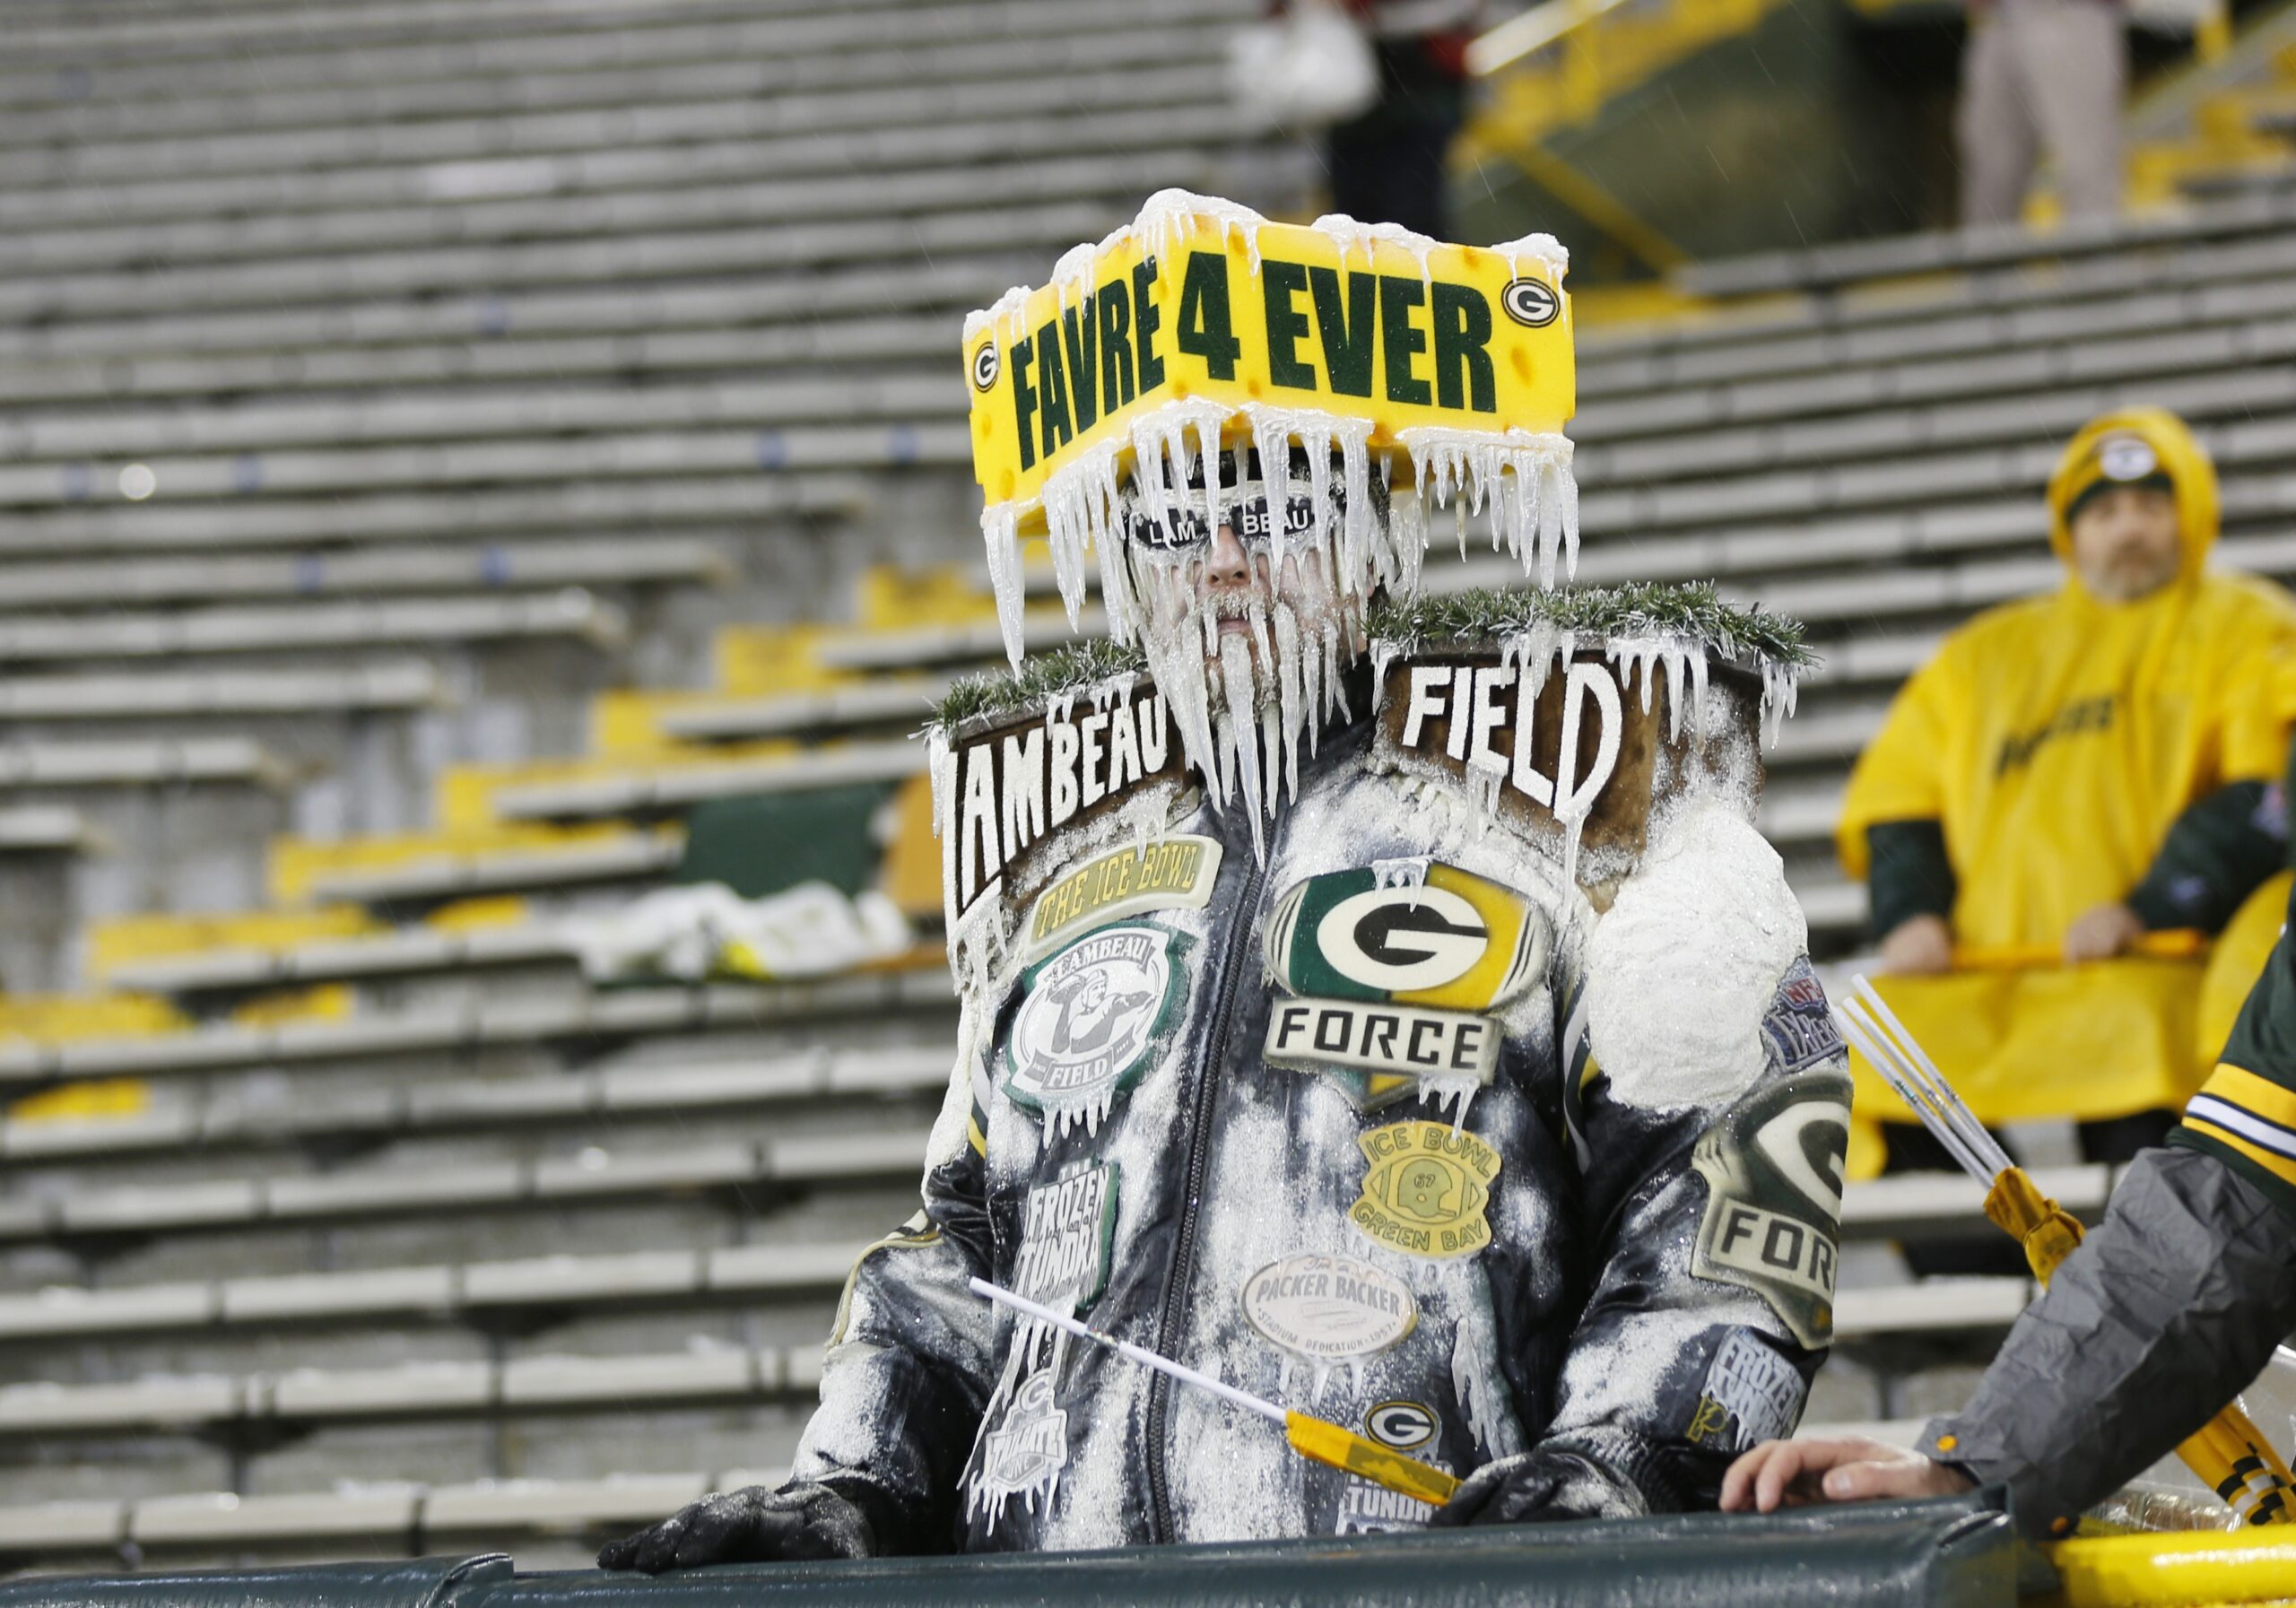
[[1772, 1168]]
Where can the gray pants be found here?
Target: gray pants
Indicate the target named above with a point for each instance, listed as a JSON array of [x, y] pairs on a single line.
[[2041, 74]]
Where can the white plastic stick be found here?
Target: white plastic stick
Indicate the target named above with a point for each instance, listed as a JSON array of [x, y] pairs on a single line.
[[1140, 1354], [1868, 1022]]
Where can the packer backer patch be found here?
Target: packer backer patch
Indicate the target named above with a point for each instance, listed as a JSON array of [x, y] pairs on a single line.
[[1322, 1309], [1067, 1228], [1171, 873], [1425, 1189], [1772, 1168], [1090, 1021]]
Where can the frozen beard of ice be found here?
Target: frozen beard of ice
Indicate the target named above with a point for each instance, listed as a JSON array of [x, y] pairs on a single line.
[[1683, 964], [1245, 701]]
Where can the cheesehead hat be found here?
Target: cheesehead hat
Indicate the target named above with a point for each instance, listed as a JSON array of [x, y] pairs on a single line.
[[1201, 326]]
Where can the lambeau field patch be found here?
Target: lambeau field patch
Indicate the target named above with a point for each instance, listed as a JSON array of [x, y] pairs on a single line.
[[1085, 1032]]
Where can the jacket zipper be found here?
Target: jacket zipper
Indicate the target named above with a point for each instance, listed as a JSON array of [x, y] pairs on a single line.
[[1199, 1157]]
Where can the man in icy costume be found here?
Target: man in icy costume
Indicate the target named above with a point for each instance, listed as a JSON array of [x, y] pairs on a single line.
[[1375, 1114]]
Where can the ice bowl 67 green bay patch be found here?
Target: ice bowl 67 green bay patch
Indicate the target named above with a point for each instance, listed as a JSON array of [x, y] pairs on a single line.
[[1772, 1168], [1090, 1023]]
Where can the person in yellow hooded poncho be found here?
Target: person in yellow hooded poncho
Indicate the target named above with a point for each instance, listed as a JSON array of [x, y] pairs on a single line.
[[2074, 780]]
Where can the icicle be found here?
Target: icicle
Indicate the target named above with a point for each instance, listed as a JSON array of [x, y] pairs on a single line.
[[1288, 706], [1240, 729], [1478, 1388], [1402, 871], [1697, 666], [1000, 532], [1458, 1093], [1677, 659]]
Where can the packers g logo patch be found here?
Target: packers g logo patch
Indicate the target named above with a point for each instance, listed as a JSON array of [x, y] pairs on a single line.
[[1773, 1198], [1425, 1189], [1455, 941]]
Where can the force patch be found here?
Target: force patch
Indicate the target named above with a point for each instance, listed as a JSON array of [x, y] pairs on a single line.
[[1024, 1455], [1751, 1394], [1091, 1017], [1322, 1310], [1425, 1189], [1397, 1044], [1402, 1425], [1772, 1168], [1798, 1031], [1066, 1229], [1414, 932], [1173, 874]]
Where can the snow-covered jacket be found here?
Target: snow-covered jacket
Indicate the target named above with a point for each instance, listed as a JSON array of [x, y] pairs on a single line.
[[1388, 1125]]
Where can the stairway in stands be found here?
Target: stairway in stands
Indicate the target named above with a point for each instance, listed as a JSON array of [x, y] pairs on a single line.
[[428, 427]]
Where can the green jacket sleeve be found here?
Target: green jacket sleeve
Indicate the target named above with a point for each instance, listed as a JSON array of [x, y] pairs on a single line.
[[1908, 873], [2222, 849], [2244, 1114]]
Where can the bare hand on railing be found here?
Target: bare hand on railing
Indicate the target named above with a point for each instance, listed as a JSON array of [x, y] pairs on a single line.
[[1918, 946], [1833, 1468], [2102, 933]]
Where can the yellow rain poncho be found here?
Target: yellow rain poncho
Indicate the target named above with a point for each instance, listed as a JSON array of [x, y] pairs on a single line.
[[2056, 740]]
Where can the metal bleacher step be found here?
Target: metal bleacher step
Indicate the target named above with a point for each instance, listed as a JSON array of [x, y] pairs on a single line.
[[569, 612], [847, 711], [576, 508], [666, 1279], [437, 879], [395, 1193], [398, 1519], [181, 694], [100, 584], [140, 763], [673, 788], [604, 1016], [211, 1122], [310, 1396]]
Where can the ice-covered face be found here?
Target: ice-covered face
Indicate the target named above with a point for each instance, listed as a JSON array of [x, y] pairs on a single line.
[[1239, 584], [1248, 621]]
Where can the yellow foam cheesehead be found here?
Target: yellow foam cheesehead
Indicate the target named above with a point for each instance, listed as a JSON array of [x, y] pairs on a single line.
[[1200, 309]]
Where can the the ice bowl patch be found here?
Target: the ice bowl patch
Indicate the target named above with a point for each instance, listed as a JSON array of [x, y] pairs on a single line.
[[1751, 1394], [1171, 873], [1325, 1309], [1023, 1455], [1091, 1020], [1064, 1235], [1425, 1189], [1798, 1031], [1772, 1168]]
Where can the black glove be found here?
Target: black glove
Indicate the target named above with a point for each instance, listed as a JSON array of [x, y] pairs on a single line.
[[1537, 1488], [752, 1525]]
